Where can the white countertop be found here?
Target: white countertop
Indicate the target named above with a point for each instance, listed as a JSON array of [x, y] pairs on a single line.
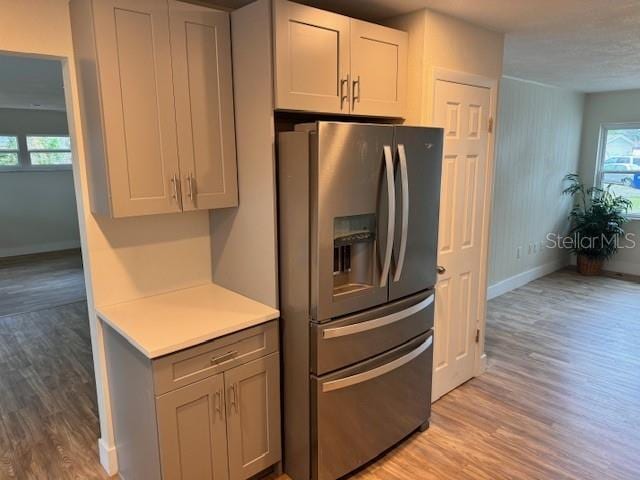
[[169, 322]]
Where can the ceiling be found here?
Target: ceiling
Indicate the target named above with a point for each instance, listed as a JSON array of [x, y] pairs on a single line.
[[31, 83], [586, 45]]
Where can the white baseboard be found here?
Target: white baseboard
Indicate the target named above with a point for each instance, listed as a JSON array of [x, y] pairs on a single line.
[[45, 247], [108, 458], [523, 278], [629, 268]]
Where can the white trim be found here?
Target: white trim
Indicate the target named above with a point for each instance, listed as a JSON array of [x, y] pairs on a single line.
[[108, 457], [447, 75], [533, 82], [602, 140], [523, 278], [41, 248], [628, 268], [484, 363]]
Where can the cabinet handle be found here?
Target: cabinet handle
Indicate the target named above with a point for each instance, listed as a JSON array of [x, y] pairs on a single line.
[[236, 392], [441, 270], [356, 96], [190, 190], [233, 402], [174, 187], [344, 96], [219, 400]]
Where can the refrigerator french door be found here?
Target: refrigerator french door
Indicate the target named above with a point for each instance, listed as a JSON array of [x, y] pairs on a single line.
[[358, 215], [375, 193]]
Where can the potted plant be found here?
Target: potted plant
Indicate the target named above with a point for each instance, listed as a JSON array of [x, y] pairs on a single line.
[[596, 224]]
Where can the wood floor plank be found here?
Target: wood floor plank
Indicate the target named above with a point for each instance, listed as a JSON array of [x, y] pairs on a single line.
[[560, 398], [48, 409], [44, 280]]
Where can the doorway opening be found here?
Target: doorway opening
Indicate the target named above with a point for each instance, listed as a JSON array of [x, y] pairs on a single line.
[[48, 408]]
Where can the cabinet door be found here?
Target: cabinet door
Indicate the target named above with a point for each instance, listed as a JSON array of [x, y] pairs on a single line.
[[378, 69], [201, 55], [192, 431], [253, 423], [132, 43], [312, 59]]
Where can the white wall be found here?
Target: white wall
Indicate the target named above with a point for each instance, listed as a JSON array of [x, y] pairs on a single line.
[[537, 144], [127, 258], [38, 210], [610, 107]]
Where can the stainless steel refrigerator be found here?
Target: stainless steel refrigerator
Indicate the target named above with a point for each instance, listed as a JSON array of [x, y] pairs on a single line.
[[358, 221]]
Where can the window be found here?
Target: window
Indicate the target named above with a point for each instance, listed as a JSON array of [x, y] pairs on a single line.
[[24, 152], [619, 162], [49, 150], [8, 151]]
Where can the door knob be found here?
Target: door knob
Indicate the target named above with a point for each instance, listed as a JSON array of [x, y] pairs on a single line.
[[441, 270]]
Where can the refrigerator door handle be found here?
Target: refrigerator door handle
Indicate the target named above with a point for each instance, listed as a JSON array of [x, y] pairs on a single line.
[[391, 196], [378, 371], [377, 322], [404, 181]]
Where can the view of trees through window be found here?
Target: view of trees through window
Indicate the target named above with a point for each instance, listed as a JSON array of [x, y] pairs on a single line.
[[49, 150], [8, 150], [620, 164], [41, 150]]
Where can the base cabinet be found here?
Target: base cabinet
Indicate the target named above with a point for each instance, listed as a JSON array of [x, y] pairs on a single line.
[[253, 421], [210, 412], [192, 431]]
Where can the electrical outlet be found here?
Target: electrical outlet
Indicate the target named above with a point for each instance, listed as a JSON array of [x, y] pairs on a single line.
[[519, 252]]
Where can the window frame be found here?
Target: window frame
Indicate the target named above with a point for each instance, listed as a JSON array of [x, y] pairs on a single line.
[[24, 154], [4, 168], [59, 166], [602, 142]]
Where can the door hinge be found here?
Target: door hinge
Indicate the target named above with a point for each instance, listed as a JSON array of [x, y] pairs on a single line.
[[490, 125], [478, 335]]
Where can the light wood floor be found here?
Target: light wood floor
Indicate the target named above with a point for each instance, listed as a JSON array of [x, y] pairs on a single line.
[[560, 399], [48, 413]]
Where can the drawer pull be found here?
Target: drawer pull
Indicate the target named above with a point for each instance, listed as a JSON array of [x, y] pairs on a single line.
[[377, 322], [376, 372], [224, 357]]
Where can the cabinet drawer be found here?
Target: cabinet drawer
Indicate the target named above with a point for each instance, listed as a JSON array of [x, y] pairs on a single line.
[[187, 366]]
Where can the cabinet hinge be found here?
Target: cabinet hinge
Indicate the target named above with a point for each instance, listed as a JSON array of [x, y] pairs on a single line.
[[478, 335], [490, 125]]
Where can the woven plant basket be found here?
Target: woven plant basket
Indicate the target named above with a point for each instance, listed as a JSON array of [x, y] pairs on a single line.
[[589, 266]]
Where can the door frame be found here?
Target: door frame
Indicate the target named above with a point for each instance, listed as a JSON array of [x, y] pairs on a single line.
[[474, 80]]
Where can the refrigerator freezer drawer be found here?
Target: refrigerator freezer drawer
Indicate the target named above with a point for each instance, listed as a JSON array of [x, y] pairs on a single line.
[[354, 338], [361, 411]]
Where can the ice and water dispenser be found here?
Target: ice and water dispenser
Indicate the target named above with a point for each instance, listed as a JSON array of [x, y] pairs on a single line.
[[353, 253]]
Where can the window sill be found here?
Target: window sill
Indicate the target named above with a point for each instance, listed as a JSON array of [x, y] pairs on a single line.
[[51, 168]]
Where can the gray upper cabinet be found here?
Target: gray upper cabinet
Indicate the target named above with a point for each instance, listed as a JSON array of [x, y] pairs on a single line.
[[311, 58], [253, 392], [192, 431], [156, 103], [330, 63], [378, 69], [201, 53]]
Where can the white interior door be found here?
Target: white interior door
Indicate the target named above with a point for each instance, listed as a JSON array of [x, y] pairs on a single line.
[[463, 112]]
